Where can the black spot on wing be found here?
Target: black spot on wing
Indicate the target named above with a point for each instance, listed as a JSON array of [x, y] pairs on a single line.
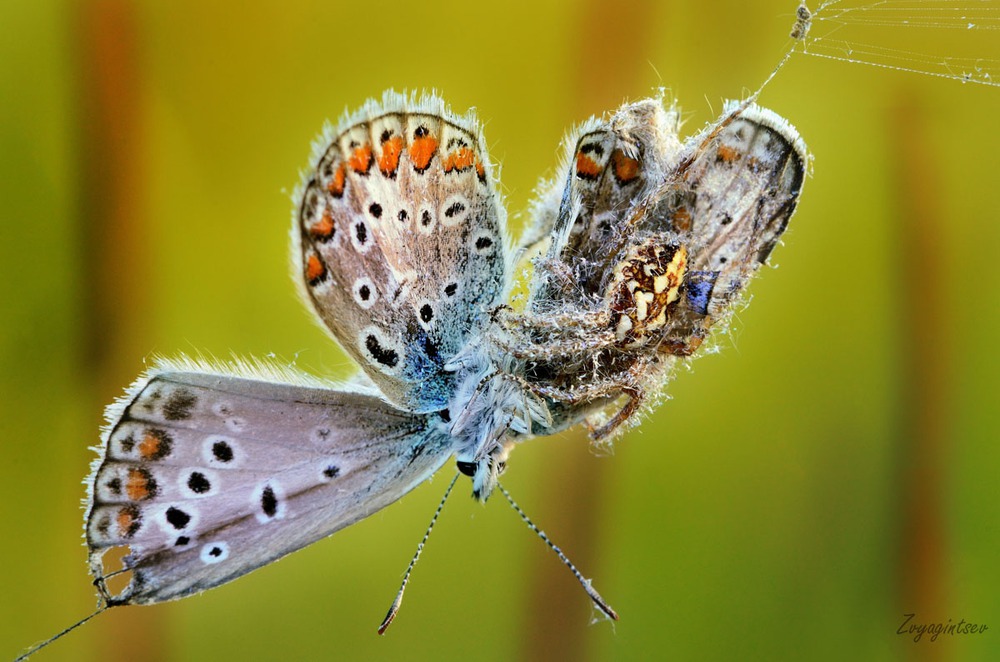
[[177, 517], [127, 444], [178, 406], [222, 451], [431, 349], [269, 501], [383, 355], [198, 483]]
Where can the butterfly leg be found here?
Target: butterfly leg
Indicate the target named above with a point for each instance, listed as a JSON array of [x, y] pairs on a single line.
[[592, 390]]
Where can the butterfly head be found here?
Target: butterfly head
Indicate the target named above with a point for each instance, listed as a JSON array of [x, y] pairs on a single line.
[[485, 472]]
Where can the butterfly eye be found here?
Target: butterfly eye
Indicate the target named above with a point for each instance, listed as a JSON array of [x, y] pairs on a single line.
[[467, 468]]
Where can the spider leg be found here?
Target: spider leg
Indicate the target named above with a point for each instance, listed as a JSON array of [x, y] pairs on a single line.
[[636, 395]]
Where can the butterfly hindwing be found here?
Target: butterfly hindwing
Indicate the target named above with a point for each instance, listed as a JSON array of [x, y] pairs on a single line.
[[206, 476], [400, 242]]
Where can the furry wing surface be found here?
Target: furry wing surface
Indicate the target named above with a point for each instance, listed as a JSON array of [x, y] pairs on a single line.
[[205, 477], [756, 165], [400, 243]]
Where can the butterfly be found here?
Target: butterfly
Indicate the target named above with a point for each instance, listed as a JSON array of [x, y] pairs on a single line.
[[206, 472]]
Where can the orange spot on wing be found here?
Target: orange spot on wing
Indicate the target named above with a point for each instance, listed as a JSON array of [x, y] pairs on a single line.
[[361, 159], [389, 161], [626, 168], [149, 446], [480, 170], [125, 519], [336, 185], [129, 520], [727, 154], [681, 220], [422, 151], [322, 229], [315, 269], [137, 486], [586, 166], [461, 159]]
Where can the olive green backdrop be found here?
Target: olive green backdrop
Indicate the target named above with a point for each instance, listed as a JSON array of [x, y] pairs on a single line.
[[833, 468]]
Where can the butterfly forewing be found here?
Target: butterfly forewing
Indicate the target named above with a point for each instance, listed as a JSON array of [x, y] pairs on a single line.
[[206, 477], [400, 243]]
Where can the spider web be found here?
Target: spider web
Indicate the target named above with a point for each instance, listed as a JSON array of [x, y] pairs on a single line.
[[941, 38]]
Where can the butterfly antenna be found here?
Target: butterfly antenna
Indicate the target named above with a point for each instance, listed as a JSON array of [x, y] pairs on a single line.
[[594, 595], [34, 649], [394, 609]]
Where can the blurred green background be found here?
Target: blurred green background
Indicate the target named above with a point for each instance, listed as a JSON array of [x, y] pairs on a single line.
[[835, 467]]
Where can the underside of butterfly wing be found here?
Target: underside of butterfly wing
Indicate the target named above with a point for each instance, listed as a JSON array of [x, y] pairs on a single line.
[[399, 242], [728, 204], [206, 476]]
